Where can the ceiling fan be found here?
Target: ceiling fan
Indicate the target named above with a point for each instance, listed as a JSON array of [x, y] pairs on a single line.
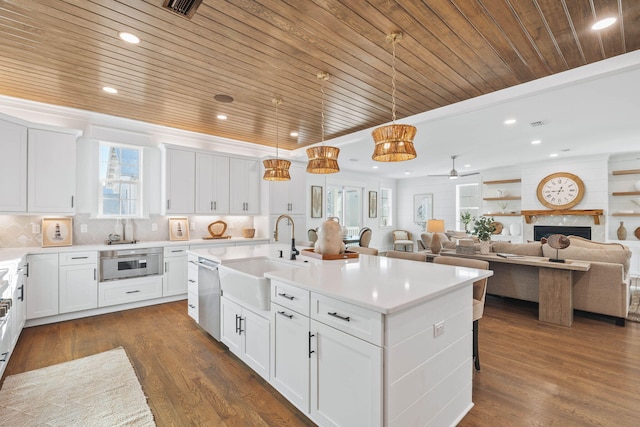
[[454, 173]]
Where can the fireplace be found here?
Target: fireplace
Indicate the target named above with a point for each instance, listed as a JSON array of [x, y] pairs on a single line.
[[540, 231]]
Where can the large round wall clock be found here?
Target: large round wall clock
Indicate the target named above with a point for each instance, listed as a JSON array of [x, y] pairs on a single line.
[[561, 190]]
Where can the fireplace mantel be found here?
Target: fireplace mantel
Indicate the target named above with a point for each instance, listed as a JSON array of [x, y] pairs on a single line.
[[595, 213]]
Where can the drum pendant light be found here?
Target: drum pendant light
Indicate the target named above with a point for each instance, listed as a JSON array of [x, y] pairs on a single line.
[[394, 142], [323, 159], [276, 169]]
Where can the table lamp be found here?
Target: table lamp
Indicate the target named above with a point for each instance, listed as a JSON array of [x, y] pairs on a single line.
[[435, 226]]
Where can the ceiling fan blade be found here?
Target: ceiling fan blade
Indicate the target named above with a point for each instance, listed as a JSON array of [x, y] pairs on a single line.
[[468, 174]]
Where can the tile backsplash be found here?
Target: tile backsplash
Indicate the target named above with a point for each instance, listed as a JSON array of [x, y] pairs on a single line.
[[17, 230]]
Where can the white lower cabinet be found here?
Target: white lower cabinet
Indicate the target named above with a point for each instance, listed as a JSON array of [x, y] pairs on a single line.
[[330, 374], [174, 281], [247, 335], [129, 290], [78, 281], [42, 285]]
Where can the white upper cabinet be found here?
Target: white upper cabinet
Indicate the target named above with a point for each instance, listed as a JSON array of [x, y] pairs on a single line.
[[51, 171], [180, 182], [212, 184], [289, 197], [13, 173], [244, 197]]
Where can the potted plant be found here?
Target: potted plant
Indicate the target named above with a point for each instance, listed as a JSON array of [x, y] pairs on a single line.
[[483, 228], [465, 218]]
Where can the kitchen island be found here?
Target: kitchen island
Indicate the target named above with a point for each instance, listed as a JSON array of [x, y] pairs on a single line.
[[367, 341]]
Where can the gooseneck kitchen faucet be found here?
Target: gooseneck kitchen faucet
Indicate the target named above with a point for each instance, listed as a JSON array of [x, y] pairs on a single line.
[[294, 251]]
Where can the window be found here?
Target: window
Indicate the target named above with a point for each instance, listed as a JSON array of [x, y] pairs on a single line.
[[120, 181], [386, 207], [345, 203], [467, 200]]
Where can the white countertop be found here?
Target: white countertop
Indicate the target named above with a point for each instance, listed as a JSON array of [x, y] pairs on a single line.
[[385, 285], [11, 254]]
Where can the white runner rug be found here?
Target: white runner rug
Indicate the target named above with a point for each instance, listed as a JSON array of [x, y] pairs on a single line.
[[99, 390]]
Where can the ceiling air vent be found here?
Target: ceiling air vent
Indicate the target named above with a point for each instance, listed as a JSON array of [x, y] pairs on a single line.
[[185, 8], [536, 124]]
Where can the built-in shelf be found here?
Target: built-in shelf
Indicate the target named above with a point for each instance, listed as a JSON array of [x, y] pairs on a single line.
[[626, 172], [595, 213], [502, 198], [626, 214], [502, 214], [502, 181], [626, 193]]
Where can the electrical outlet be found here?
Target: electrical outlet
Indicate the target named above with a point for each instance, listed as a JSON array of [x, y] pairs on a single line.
[[35, 228], [154, 227], [83, 228], [192, 226], [438, 329]]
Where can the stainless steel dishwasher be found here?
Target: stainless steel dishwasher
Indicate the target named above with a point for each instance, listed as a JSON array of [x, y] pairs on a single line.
[[209, 297]]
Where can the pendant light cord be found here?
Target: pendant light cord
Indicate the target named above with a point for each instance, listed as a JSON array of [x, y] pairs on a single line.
[[322, 111], [277, 102]]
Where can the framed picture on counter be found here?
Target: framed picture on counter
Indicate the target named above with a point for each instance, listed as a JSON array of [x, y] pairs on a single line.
[[178, 228], [57, 232]]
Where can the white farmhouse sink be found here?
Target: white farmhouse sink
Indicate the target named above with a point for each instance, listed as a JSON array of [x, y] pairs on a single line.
[[245, 281]]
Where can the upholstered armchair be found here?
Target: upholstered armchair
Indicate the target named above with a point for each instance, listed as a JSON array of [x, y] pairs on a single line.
[[365, 237], [402, 238]]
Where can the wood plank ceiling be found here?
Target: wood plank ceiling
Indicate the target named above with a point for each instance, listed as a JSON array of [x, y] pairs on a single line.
[[63, 52]]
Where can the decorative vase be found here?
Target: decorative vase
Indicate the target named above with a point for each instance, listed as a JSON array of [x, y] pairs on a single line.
[[621, 231], [128, 231], [515, 229], [329, 239], [485, 246]]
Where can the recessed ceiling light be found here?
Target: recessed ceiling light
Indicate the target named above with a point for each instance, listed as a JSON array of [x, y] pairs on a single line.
[[221, 117], [129, 38], [536, 142], [553, 155], [509, 121], [603, 23], [407, 172], [223, 98], [467, 165], [294, 134], [375, 167], [110, 89]]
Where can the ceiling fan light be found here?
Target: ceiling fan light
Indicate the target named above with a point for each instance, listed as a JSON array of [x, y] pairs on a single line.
[[276, 170], [394, 143], [323, 159]]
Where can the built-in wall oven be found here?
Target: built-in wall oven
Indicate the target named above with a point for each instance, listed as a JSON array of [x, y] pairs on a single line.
[[130, 263]]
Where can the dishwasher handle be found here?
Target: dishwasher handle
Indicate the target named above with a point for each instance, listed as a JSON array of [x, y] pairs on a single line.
[[208, 266]]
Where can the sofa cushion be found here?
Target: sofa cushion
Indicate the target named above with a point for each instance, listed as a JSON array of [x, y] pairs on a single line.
[[598, 252], [527, 249]]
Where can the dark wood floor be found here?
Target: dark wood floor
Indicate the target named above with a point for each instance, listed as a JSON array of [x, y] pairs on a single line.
[[532, 373]]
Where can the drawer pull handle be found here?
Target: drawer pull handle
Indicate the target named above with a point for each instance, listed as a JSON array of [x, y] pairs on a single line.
[[191, 281], [192, 306], [133, 292], [289, 297], [335, 314], [288, 316], [79, 257]]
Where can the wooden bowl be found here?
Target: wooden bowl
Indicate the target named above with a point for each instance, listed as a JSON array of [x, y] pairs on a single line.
[[248, 232]]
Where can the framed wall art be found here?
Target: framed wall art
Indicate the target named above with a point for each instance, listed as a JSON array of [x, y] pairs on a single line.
[[373, 204], [316, 201], [422, 208], [178, 229], [57, 232]]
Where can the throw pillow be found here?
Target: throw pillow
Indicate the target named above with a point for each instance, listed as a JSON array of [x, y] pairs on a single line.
[[526, 249]]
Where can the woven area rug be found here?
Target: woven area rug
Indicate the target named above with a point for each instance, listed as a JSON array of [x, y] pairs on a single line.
[[634, 307], [99, 390]]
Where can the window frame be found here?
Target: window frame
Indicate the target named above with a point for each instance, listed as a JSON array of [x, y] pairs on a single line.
[[139, 182]]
